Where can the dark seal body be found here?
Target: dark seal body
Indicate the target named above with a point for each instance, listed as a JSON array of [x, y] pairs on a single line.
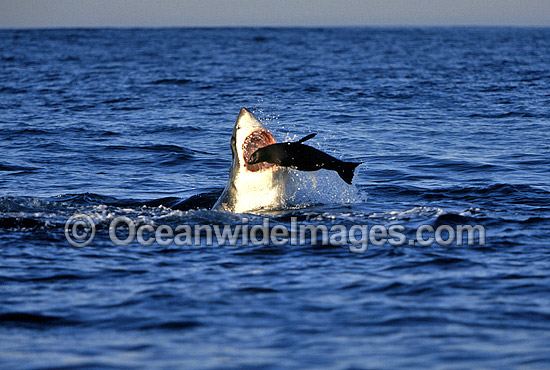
[[303, 157]]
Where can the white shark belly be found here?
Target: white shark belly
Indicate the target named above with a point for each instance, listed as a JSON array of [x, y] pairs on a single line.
[[255, 192], [256, 187]]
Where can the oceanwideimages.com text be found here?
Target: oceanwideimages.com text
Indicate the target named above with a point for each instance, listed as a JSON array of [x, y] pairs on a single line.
[[80, 230]]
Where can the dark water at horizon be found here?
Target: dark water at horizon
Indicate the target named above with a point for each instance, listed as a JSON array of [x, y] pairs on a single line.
[[453, 127]]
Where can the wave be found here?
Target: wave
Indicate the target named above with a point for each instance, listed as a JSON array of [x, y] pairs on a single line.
[[171, 81], [504, 115], [163, 154], [32, 213], [505, 192], [12, 90], [11, 168], [119, 100], [34, 320], [160, 148]]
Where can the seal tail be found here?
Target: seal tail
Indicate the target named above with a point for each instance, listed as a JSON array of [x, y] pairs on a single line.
[[346, 171]]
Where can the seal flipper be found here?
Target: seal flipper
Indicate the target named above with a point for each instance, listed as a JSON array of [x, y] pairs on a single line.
[[346, 171], [305, 138]]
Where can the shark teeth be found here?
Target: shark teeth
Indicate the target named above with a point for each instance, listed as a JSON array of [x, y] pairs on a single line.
[[256, 140]]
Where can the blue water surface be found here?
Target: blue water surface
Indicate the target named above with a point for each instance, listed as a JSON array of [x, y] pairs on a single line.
[[452, 126]]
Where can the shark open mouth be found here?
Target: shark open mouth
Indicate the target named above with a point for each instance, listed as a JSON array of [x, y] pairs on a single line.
[[256, 140]]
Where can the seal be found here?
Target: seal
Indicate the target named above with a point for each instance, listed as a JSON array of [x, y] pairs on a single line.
[[303, 158]]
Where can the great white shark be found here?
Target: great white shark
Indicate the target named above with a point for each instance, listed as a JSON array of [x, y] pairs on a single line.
[[252, 187]]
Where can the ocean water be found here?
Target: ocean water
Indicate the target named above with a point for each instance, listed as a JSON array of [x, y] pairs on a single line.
[[452, 126]]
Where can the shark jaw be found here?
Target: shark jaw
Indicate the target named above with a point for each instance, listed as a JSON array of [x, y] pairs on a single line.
[[252, 187]]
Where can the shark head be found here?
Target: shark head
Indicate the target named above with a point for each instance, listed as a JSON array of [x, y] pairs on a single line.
[[248, 136], [252, 187]]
